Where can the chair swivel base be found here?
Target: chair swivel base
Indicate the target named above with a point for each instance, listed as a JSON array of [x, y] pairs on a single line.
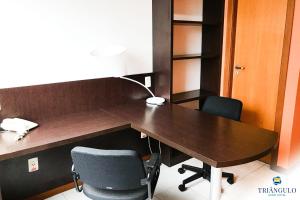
[[200, 173]]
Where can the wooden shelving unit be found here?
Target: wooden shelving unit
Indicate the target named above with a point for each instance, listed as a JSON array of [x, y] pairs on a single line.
[[206, 57]]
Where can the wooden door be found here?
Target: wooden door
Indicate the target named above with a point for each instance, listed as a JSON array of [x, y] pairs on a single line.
[[258, 51], [260, 30]]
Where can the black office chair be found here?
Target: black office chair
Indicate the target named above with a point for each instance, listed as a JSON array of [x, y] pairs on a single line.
[[221, 106], [114, 174]]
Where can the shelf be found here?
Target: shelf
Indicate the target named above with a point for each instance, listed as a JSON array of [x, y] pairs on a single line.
[[186, 56], [191, 23], [187, 22], [193, 56], [190, 96]]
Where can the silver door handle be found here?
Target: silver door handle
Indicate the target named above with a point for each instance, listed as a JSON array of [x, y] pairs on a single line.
[[239, 68]]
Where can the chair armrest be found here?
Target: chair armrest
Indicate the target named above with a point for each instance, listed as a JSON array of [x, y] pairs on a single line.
[[152, 167], [76, 177]]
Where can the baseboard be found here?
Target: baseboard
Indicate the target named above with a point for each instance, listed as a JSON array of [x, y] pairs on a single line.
[[52, 192]]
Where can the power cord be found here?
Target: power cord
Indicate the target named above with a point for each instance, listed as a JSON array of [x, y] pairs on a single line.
[[159, 147], [149, 144]]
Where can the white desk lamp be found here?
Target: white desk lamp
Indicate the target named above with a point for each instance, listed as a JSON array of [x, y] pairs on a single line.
[[113, 56]]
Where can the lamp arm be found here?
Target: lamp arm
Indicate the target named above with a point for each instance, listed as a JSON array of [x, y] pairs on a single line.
[[129, 79]]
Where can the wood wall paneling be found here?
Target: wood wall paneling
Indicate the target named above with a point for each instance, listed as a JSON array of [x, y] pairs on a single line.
[[162, 47], [41, 102]]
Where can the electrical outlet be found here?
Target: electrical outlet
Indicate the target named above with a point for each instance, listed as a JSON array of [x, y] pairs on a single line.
[[143, 135], [148, 81], [33, 164]]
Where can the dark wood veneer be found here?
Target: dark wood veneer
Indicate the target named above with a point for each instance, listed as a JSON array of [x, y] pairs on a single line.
[[60, 131], [187, 56], [194, 56], [162, 47], [187, 22], [212, 38], [163, 58], [42, 102], [217, 141], [68, 114]]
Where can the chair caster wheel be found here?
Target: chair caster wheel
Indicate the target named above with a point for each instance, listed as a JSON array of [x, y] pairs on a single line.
[[230, 181], [182, 188], [181, 170]]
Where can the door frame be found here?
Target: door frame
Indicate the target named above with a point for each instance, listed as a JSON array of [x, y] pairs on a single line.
[[229, 36]]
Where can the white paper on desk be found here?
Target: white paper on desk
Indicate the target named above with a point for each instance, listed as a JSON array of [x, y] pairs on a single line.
[[17, 125]]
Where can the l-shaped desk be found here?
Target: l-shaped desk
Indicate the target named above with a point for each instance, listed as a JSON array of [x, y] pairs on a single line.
[[214, 140]]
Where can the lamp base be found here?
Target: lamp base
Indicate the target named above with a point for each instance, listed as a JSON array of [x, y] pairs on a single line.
[[155, 100]]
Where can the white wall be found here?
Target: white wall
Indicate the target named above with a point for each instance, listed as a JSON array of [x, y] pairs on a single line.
[[46, 41]]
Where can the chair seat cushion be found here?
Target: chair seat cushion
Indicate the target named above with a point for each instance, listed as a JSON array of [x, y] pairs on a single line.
[[101, 194]]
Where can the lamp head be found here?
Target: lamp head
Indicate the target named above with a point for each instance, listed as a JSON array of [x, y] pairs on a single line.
[[112, 57], [109, 51]]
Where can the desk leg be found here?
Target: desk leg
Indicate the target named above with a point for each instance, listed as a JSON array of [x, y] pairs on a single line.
[[215, 183]]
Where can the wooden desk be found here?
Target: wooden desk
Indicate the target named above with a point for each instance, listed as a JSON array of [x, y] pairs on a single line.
[[216, 141], [61, 131]]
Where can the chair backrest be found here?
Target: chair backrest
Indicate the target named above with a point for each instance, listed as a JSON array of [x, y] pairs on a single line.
[[223, 106], [108, 169]]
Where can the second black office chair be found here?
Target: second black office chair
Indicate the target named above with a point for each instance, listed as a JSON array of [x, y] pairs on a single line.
[[220, 106]]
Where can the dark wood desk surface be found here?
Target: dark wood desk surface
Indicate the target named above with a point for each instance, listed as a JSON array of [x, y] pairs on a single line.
[[215, 140], [60, 131]]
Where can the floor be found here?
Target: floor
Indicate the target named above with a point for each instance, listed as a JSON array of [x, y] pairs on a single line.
[[249, 177]]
